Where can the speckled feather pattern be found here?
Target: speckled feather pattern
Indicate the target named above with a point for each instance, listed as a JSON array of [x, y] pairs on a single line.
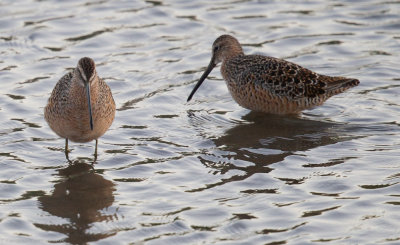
[[67, 110], [269, 84], [274, 85]]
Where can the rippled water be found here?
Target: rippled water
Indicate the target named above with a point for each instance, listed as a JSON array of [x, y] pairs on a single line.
[[208, 171]]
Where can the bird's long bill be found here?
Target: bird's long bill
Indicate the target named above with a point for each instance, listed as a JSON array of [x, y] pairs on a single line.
[[202, 78], [89, 104]]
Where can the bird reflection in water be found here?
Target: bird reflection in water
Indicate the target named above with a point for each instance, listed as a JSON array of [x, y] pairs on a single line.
[[264, 139], [286, 133], [79, 199]]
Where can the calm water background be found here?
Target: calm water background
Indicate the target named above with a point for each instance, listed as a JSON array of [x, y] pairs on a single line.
[[208, 171]]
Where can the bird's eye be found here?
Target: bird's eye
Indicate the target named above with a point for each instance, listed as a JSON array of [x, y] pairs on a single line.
[[216, 48]]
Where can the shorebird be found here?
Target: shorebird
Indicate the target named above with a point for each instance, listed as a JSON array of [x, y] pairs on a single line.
[[81, 107], [268, 84]]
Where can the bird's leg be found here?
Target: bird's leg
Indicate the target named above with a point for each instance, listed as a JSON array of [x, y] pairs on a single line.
[[95, 152], [67, 150]]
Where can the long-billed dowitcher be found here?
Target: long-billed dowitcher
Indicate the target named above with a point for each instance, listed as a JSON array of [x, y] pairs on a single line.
[[267, 84], [81, 107]]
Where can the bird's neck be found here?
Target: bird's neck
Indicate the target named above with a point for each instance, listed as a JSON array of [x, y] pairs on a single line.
[[234, 51], [78, 89]]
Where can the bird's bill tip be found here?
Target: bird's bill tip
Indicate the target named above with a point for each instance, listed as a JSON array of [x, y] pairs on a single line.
[[202, 78]]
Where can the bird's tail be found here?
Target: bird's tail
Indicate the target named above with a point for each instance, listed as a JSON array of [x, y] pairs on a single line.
[[337, 85]]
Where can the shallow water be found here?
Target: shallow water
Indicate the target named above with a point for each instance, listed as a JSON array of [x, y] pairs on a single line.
[[208, 171]]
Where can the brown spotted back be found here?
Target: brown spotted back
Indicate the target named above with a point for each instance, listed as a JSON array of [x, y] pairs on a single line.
[[274, 85]]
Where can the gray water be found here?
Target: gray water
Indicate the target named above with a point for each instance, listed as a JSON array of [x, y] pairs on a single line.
[[208, 171]]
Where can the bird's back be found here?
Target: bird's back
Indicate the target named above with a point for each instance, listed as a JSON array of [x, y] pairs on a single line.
[[58, 99], [104, 107]]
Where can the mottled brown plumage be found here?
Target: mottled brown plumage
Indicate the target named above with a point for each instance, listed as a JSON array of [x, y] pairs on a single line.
[[271, 85], [81, 107]]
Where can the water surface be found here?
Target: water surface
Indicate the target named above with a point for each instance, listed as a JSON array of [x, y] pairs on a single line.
[[208, 171]]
